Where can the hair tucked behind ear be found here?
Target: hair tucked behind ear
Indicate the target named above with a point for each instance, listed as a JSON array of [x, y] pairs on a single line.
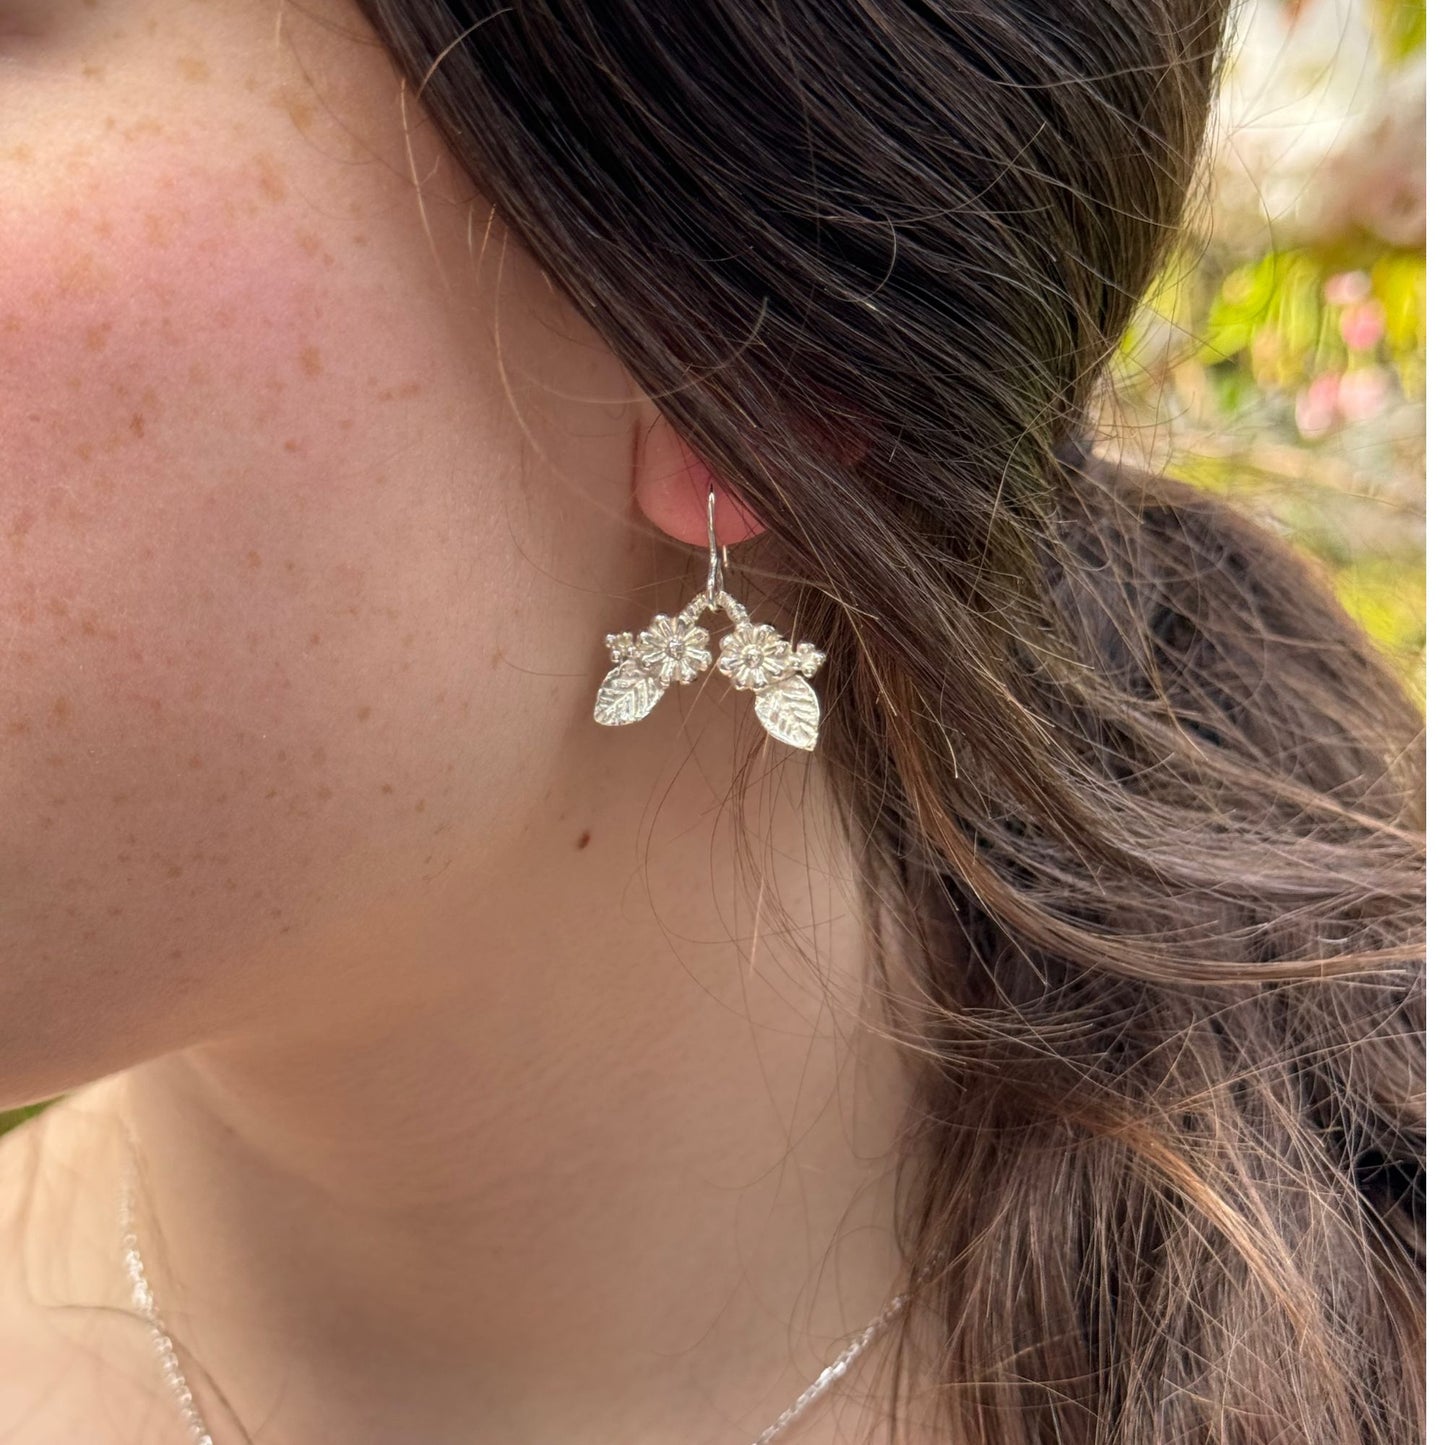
[[1145, 799]]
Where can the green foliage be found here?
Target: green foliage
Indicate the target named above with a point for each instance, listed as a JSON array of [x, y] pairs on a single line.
[[9, 1118], [1400, 26], [1294, 316], [1268, 311], [1398, 280]]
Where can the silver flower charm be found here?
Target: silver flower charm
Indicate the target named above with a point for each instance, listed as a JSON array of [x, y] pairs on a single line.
[[673, 650], [753, 655], [758, 658]]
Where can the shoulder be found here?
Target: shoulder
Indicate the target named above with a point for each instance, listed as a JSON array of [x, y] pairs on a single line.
[[67, 1345], [51, 1155]]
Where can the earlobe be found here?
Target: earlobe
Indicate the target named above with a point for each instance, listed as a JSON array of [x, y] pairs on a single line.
[[671, 486]]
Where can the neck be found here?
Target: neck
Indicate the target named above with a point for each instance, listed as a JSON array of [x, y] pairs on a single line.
[[606, 1159]]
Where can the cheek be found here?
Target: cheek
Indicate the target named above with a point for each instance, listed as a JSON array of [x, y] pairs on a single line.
[[229, 623]]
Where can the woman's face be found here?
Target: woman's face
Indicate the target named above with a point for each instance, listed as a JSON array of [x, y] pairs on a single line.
[[311, 516]]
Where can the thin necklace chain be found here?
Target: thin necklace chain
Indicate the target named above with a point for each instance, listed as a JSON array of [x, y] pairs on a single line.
[[143, 1299]]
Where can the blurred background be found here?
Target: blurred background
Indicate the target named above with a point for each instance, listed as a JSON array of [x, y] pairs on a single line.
[[1280, 357]]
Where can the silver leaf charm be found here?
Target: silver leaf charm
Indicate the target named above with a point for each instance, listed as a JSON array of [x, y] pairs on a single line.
[[627, 695], [788, 709]]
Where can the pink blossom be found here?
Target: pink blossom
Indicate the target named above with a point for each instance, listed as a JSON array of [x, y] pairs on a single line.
[[1363, 325], [1316, 407]]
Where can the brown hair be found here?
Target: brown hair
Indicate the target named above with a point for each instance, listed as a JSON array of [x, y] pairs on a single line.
[[1145, 800]]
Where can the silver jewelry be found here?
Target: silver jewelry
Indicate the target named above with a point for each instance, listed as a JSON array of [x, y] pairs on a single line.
[[196, 1428], [754, 657], [145, 1302]]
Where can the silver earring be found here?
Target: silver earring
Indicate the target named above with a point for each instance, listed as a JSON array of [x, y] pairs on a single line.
[[753, 657]]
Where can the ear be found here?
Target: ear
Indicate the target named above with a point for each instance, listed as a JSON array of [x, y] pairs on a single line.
[[671, 484]]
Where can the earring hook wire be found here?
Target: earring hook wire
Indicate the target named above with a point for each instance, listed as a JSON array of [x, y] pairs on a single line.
[[715, 564]]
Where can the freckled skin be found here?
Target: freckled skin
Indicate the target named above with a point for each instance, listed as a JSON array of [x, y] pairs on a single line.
[[300, 594]]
